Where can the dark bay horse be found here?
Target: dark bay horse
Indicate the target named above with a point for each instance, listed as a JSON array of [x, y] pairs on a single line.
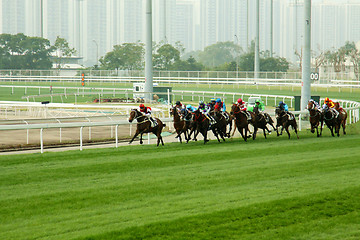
[[241, 122], [333, 120], [316, 118], [179, 124], [144, 126], [285, 120], [219, 128], [260, 120], [342, 116], [201, 123]]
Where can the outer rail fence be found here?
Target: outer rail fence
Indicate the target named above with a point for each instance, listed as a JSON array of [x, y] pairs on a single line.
[[187, 80]]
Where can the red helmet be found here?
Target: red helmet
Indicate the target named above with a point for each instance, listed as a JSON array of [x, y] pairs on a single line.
[[327, 99], [142, 106], [239, 100]]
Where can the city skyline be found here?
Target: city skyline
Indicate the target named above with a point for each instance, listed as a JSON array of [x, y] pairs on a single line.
[[93, 27]]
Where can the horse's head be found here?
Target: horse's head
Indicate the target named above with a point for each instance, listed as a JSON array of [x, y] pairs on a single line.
[[234, 109], [172, 111], [310, 106], [278, 111], [256, 109], [134, 114]]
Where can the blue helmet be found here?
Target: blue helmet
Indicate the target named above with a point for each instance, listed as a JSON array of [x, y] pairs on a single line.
[[188, 106], [281, 103], [218, 100]]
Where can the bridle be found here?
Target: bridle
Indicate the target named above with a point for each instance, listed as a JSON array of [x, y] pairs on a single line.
[[137, 116]]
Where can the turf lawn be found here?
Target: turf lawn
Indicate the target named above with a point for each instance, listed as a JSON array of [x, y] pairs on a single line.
[[275, 188]]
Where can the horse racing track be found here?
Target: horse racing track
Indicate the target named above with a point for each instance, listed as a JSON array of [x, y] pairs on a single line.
[[275, 188]]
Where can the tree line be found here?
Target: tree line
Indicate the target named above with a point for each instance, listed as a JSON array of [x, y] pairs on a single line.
[[23, 52]]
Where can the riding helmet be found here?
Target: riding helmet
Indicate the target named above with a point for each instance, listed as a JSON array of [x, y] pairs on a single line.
[[178, 103], [218, 100], [239, 100], [281, 103], [188, 106], [201, 102], [142, 106], [212, 100], [326, 99], [257, 101]]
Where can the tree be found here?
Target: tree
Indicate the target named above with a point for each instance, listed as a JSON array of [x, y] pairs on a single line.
[[22, 52], [165, 56], [61, 47], [219, 53], [128, 56], [188, 65]]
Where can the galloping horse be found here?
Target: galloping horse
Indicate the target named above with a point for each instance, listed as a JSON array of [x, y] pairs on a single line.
[[260, 121], [144, 126], [219, 128], [333, 120], [342, 116], [285, 120], [241, 122], [202, 124], [316, 118], [179, 125]]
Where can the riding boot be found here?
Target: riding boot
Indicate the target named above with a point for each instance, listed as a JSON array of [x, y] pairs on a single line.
[[248, 115]]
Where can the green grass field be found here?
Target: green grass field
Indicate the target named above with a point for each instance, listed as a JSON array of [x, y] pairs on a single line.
[[275, 188]]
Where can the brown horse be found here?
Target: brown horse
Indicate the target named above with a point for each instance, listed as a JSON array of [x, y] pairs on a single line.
[[316, 118], [201, 123], [179, 125], [219, 128], [144, 126], [284, 120], [331, 118], [260, 120], [241, 121], [342, 116]]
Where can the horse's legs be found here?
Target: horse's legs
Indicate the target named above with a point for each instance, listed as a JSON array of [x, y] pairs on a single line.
[[255, 131], [241, 130], [141, 140], [287, 130], [265, 128], [136, 133], [216, 134]]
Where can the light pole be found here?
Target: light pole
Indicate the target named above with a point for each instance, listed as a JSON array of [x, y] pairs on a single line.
[[237, 56], [97, 51]]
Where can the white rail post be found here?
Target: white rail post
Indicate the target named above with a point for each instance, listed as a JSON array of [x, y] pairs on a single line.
[[41, 141], [81, 139], [148, 138], [116, 136]]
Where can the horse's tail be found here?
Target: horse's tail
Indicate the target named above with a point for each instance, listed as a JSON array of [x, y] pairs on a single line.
[[164, 125]]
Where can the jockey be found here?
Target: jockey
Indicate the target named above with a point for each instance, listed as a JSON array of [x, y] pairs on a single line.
[[338, 107], [260, 105], [220, 105], [190, 108], [205, 109], [146, 111], [211, 104], [329, 105], [241, 105], [283, 106], [179, 106], [316, 104]]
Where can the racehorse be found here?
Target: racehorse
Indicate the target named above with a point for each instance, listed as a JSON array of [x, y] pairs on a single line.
[[285, 119], [201, 124], [241, 121], [260, 120], [219, 128], [228, 118], [179, 125], [144, 126], [342, 116], [333, 120], [316, 118]]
